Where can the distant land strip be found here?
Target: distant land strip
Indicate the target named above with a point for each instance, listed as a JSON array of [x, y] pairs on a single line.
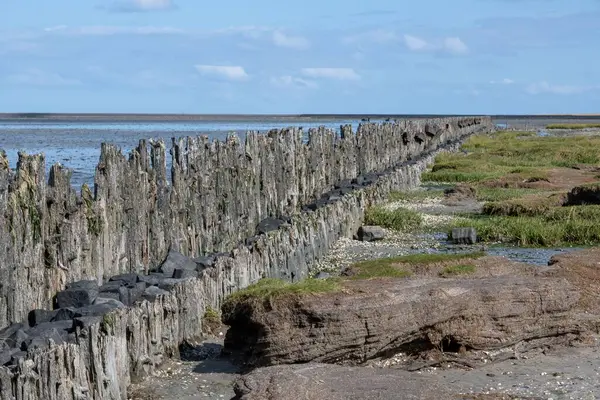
[[266, 117]]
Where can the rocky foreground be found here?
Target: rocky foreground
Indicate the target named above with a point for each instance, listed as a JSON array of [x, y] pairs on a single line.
[[379, 338]]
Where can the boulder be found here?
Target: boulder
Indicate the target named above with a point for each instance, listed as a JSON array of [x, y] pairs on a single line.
[[153, 278], [420, 137], [386, 316], [108, 295], [131, 293], [17, 356], [209, 261], [111, 287], [6, 355], [96, 309], [39, 316], [464, 236], [7, 333], [176, 260], [152, 292], [64, 314], [86, 322], [182, 273], [78, 294], [42, 340], [268, 225], [127, 279], [19, 339], [112, 302], [170, 283], [370, 233], [57, 330], [323, 275]]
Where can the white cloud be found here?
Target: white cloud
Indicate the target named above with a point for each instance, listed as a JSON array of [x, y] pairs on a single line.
[[140, 5], [36, 77], [415, 43], [331, 73], [108, 30], [452, 45], [294, 42], [455, 46], [545, 87], [233, 73], [286, 81]]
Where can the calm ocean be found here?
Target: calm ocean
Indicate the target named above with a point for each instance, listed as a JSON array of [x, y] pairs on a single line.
[[76, 144]]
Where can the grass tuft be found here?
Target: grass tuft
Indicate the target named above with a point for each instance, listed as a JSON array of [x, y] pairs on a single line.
[[399, 219], [572, 126], [269, 288], [454, 270], [389, 267]]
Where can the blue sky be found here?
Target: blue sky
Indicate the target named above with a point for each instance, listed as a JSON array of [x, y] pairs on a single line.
[[351, 56]]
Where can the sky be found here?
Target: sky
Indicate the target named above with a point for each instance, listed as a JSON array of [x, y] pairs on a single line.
[[309, 56]]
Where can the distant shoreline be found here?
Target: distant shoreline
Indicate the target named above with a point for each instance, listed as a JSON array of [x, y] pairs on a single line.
[[262, 117]]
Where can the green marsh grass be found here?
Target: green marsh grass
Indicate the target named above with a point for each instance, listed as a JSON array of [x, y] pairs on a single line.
[[399, 219]]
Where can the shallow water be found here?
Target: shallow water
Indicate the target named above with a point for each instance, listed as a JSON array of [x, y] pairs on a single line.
[[529, 255], [76, 144]]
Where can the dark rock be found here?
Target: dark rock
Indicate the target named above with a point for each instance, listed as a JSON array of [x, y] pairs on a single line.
[[310, 207], [17, 356], [18, 340], [98, 310], [47, 328], [323, 275], [86, 322], [420, 137], [8, 332], [78, 294], [250, 242], [152, 292], [176, 260], [6, 355], [112, 286], [108, 295], [182, 273], [209, 261], [268, 225], [114, 303], [63, 314], [40, 316], [154, 278], [430, 130], [464, 235], [83, 284], [42, 341], [135, 292], [168, 284], [125, 278], [368, 233], [343, 184]]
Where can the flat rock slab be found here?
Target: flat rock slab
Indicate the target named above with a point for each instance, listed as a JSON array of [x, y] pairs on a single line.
[[370, 318], [334, 382]]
